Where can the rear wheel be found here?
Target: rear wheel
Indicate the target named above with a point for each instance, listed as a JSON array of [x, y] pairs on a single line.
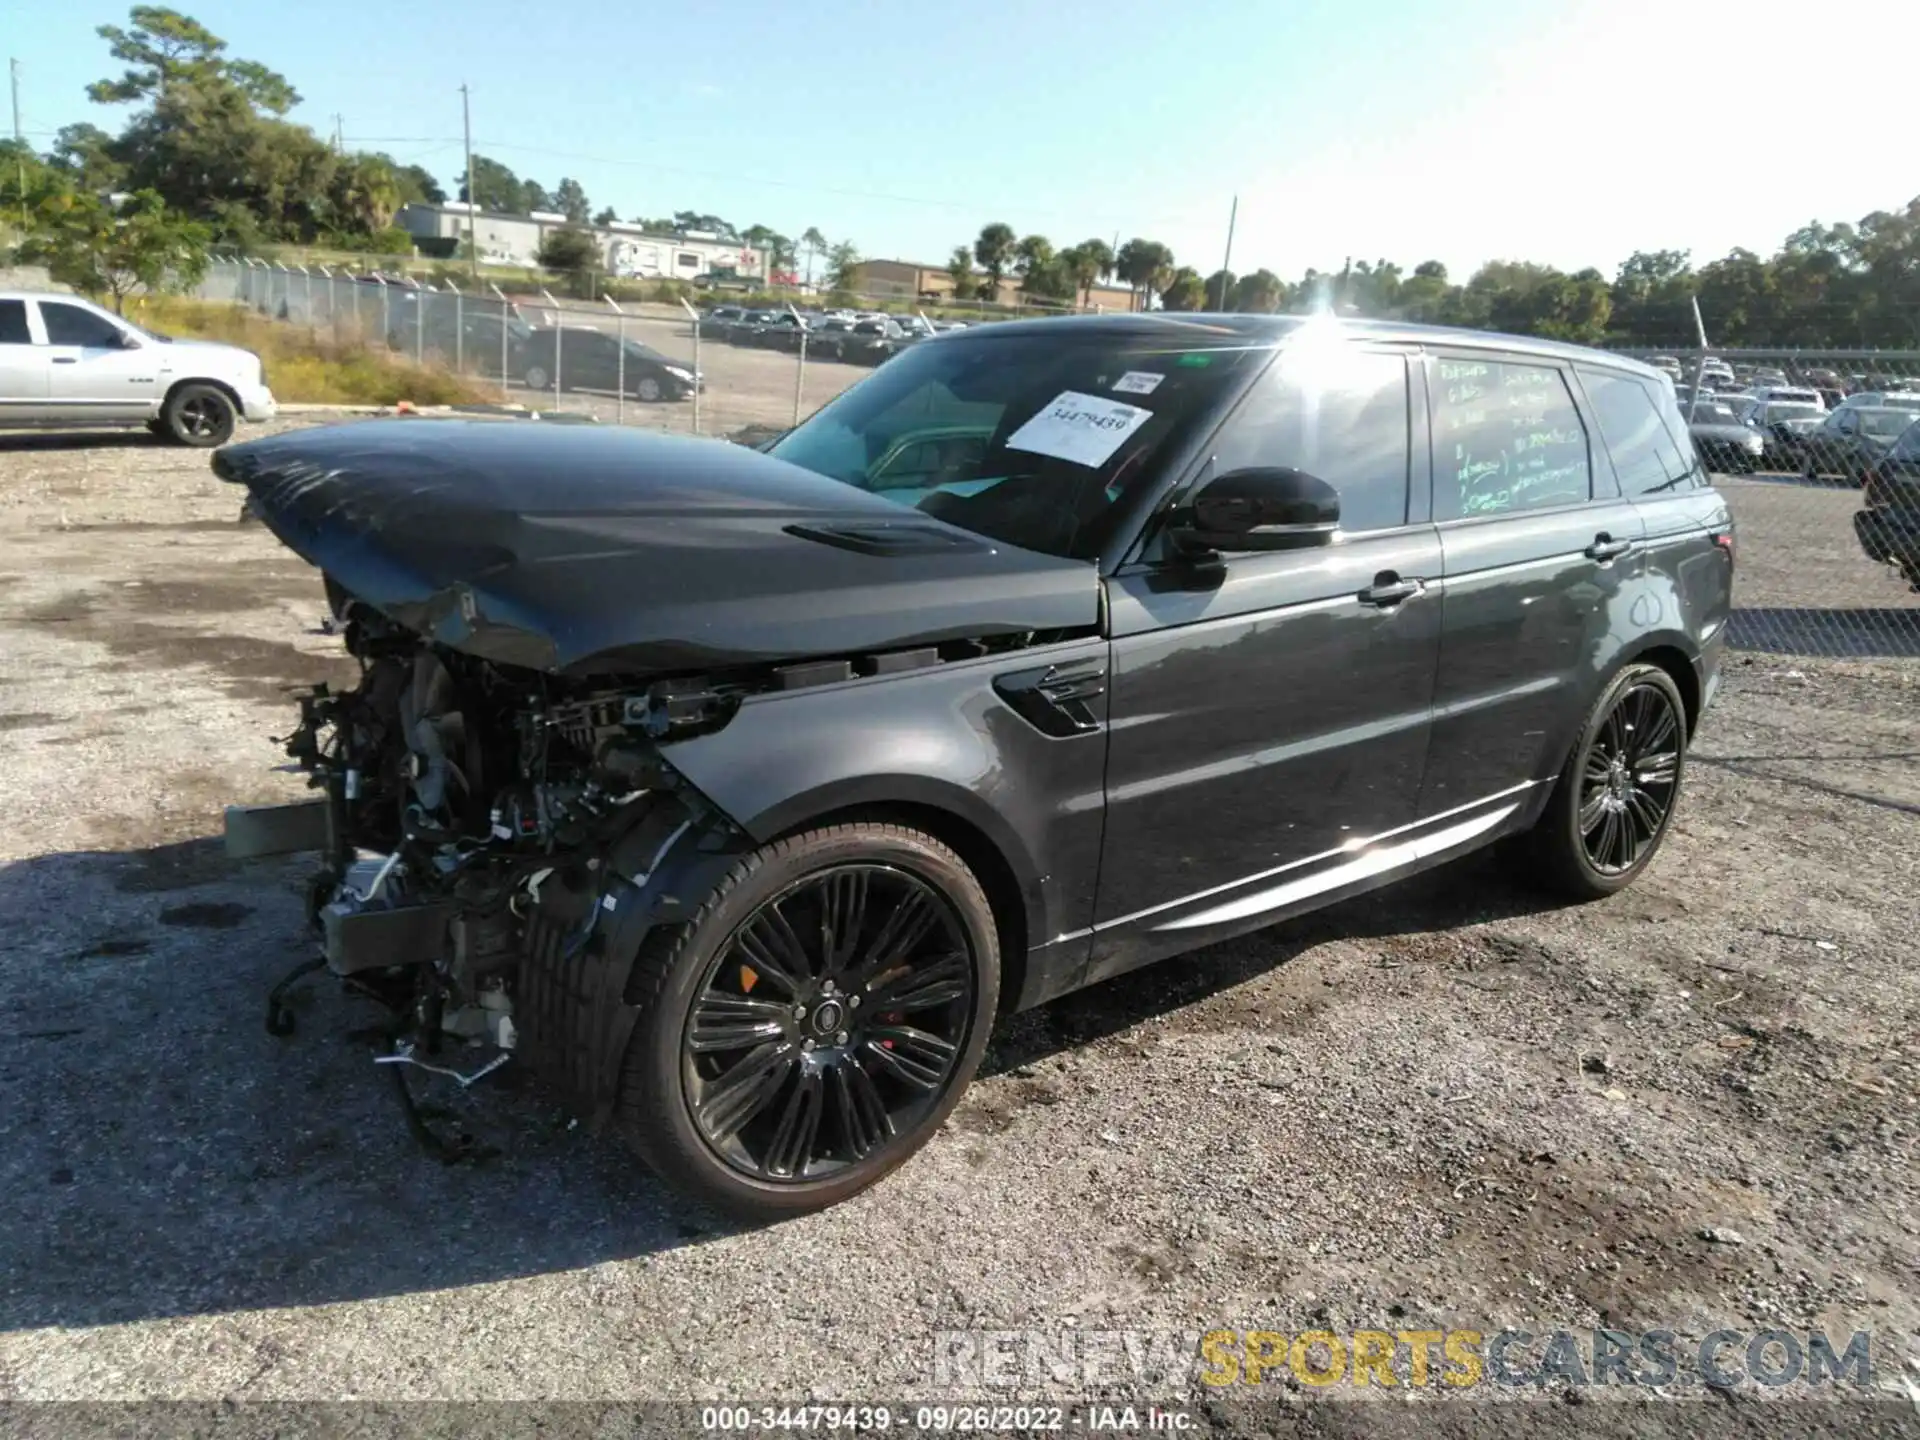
[[537, 377], [199, 415], [1613, 802], [814, 1023]]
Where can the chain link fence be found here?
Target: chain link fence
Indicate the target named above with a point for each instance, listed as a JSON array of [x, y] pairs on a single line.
[[1816, 450], [1818, 454], [663, 366]]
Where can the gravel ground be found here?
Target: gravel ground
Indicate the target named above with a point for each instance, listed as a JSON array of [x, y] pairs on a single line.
[[1443, 1105]]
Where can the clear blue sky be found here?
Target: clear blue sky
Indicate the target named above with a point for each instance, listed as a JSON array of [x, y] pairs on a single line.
[[1553, 130]]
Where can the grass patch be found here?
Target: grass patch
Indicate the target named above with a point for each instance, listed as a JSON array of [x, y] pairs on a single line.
[[323, 368]]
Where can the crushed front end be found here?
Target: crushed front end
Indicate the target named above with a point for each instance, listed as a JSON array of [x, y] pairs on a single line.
[[495, 844]]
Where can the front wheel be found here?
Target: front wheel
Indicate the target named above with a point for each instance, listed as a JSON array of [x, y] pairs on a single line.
[[1614, 800], [812, 1026], [199, 415], [537, 377], [648, 389]]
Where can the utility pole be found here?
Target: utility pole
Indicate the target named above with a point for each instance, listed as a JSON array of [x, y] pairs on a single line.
[[1226, 265], [473, 206], [19, 140], [339, 142]]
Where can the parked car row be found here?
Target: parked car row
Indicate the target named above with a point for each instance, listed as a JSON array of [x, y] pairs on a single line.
[[493, 343], [856, 337]]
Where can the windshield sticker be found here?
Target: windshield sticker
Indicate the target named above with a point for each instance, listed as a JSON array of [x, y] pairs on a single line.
[[1137, 382], [1195, 359], [1082, 428]]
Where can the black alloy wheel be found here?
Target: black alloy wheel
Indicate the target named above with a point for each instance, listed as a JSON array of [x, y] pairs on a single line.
[[814, 1022], [1629, 779], [1614, 800], [200, 415], [829, 1024]]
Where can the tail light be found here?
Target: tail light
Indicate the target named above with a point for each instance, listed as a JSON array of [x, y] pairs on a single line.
[[1724, 539]]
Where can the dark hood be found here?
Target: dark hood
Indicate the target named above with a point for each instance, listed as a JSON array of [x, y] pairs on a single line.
[[612, 551]]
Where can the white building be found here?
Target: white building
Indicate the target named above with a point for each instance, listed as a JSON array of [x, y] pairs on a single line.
[[627, 250]]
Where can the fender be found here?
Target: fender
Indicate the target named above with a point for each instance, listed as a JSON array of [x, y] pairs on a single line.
[[942, 738]]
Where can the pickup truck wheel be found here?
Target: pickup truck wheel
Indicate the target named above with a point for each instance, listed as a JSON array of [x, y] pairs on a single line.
[[537, 377], [199, 415], [812, 1026], [1614, 800]]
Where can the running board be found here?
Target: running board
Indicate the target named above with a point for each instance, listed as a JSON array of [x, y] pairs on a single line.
[[1369, 863]]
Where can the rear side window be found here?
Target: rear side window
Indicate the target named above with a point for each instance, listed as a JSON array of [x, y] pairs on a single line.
[[1341, 416], [1645, 455], [1506, 437], [13, 323]]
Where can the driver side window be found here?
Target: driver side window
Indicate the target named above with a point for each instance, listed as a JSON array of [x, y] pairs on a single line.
[[1341, 416], [71, 325]]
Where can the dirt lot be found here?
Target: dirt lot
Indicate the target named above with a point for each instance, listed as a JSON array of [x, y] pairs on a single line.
[[1444, 1105]]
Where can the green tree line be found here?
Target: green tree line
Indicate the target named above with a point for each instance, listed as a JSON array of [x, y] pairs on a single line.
[[1845, 285]]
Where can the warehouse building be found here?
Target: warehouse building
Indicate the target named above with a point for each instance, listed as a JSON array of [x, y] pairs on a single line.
[[626, 250]]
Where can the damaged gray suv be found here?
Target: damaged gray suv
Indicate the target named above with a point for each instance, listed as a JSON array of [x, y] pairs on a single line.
[[736, 792]]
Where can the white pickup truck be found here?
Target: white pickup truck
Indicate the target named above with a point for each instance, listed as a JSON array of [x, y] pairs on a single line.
[[65, 361]]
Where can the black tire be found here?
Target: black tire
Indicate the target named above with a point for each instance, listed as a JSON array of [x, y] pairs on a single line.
[[199, 415], [1561, 848], [672, 1085]]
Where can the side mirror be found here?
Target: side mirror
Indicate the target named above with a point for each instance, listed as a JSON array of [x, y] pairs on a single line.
[[1264, 508], [129, 340]]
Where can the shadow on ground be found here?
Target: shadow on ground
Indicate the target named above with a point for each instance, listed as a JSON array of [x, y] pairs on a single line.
[[134, 438], [162, 1155]]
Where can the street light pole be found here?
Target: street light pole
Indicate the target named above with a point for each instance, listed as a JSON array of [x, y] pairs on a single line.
[[19, 141], [473, 243]]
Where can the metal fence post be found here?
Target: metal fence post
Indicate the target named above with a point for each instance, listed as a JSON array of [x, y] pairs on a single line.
[[620, 365], [799, 370], [699, 380], [459, 329], [501, 295], [559, 337], [306, 280], [420, 323], [333, 303]]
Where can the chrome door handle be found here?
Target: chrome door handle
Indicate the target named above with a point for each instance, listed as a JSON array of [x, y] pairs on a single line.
[[1389, 590], [1605, 548]]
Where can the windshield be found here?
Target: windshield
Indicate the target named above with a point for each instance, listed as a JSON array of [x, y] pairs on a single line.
[[1033, 439], [1705, 414], [1793, 410], [1885, 424]]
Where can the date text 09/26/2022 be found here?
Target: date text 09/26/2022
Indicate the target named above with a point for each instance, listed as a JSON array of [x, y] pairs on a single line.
[[945, 1419]]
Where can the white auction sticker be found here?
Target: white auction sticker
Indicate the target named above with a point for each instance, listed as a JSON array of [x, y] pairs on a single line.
[[1082, 428], [1138, 382]]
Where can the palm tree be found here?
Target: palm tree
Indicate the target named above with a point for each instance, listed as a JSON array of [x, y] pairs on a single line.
[[365, 193], [1034, 252], [814, 243], [994, 250], [1146, 266], [1100, 255], [1083, 267]]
